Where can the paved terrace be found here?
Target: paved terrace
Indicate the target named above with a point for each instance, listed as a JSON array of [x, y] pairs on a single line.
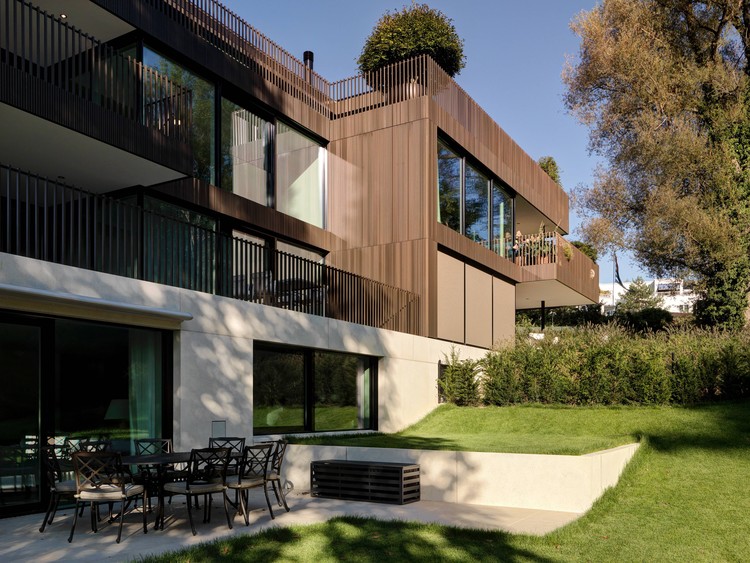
[[20, 539]]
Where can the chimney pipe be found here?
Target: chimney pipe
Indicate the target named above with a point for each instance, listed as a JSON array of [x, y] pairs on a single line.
[[308, 57]]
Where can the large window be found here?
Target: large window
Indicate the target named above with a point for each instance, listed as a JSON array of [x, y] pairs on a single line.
[[476, 208], [298, 390], [449, 188], [246, 153], [502, 221], [203, 124], [300, 183], [473, 203]]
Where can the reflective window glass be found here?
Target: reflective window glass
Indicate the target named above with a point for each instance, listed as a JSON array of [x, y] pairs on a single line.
[[246, 153], [449, 188], [300, 183], [476, 216]]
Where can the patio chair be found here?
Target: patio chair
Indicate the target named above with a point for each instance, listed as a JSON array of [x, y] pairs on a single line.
[[207, 475], [57, 465], [253, 473], [274, 473], [236, 446], [100, 478]]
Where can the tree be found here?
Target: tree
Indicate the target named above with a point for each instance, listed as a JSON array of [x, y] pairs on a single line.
[[638, 297], [415, 30], [664, 87], [587, 249], [549, 165]]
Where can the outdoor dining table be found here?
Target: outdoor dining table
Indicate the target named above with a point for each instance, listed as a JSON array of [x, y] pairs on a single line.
[[161, 462]]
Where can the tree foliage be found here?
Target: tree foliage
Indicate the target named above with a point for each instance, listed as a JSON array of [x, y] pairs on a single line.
[[664, 87], [412, 31], [638, 297], [587, 248], [549, 165]]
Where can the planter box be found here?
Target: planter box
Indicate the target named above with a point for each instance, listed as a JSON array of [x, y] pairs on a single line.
[[393, 483]]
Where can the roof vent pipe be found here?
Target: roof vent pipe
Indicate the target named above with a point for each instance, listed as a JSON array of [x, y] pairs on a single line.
[[308, 57]]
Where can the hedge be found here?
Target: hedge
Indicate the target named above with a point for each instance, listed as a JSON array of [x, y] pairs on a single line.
[[608, 366]]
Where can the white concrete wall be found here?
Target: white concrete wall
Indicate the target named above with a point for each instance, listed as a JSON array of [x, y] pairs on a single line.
[[545, 482], [213, 377]]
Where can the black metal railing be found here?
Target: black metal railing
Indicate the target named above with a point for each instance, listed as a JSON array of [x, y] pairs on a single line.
[[53, 52], [50, 221]]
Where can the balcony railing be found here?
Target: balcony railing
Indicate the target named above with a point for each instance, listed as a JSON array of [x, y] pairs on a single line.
[[53, 52], [225, 30], [50, 221], [540, 248]]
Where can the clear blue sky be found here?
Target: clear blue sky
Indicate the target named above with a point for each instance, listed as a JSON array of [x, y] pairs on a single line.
[[515, 51]]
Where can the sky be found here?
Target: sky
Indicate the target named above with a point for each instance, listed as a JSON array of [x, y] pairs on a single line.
[[515, 52]]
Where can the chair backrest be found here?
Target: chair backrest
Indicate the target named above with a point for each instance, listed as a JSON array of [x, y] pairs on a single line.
[[57, 461], [277, 459], [97, 470], [148, 446], [235, 444], [255, 461], [207, 465], [88, 445]]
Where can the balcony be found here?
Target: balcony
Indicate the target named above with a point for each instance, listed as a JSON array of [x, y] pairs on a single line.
[[553, 271], [50, 221], [60, 88]]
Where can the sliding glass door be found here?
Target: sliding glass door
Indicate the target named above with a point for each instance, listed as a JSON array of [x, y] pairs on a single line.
[[66, 380], [20, 377]]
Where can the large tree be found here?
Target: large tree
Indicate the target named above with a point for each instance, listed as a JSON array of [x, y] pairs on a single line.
[[664, 87]]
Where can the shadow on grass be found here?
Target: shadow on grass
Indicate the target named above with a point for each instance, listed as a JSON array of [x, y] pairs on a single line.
[[723, 427], [360, 539]]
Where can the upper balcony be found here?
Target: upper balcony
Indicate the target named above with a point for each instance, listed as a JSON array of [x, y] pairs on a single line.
[[47, 220], [554, 273], [90, 109]]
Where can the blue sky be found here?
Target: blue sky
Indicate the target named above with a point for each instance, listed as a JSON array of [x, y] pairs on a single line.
[[515, 52]]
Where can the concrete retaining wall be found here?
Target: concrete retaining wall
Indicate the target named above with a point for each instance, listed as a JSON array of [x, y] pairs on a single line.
[[547, 482]]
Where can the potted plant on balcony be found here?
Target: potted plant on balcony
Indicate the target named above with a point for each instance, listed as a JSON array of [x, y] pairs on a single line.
[[401, 35]]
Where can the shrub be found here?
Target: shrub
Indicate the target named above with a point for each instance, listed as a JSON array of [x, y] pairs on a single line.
[[608, 365], [415, 30], [458, 383]]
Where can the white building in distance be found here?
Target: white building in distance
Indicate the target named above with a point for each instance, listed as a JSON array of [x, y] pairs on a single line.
[[677, 296]]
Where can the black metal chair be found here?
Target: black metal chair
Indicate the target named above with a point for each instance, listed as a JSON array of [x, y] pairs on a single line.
[[207, 475], [58, 466], [253, 473], [236, 446], [274, 472], [101, 478]]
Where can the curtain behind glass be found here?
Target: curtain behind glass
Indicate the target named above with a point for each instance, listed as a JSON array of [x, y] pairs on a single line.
[[144, 371]]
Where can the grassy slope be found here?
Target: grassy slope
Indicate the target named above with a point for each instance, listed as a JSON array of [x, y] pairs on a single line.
[[684, 497]]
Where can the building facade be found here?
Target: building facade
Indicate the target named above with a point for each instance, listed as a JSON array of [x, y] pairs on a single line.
[[199, 235]]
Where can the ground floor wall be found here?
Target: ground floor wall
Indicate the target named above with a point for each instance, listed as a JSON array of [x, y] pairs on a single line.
[[214, 341]]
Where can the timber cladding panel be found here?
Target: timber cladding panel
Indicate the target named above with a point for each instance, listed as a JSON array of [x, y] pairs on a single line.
[[379, 184]]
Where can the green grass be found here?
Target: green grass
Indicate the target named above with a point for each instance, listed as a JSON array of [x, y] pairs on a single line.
[[684, 497], [327, 417]]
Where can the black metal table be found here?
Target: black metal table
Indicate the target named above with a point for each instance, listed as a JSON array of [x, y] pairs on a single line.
[[161, 462]]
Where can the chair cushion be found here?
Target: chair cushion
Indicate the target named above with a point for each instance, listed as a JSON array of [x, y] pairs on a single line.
[[246, 483], [65, 487], [181, 488], [110, 492]]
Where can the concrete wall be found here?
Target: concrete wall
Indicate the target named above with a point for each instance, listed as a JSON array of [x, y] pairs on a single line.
[[213, 352], [545, 482]]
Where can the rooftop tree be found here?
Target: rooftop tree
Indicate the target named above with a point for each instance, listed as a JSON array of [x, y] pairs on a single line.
[[412, 31]]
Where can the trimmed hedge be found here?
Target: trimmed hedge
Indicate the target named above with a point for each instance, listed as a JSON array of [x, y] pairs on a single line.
[[608, 366]]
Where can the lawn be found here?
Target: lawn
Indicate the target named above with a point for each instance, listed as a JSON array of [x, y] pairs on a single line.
[[682, 498]]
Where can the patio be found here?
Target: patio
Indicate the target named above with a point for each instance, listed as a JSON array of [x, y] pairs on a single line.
[[23, 542]]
